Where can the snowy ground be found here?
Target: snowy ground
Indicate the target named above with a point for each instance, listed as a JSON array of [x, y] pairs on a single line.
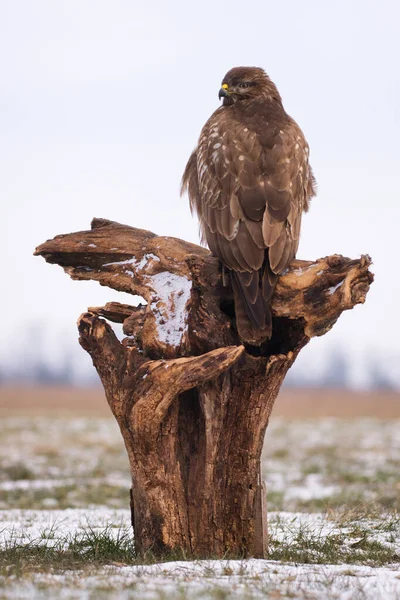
[[203, 579], [340, 480], [214, 580]]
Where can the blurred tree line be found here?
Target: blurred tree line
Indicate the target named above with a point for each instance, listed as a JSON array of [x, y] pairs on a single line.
[[39, 360], [335, 374]]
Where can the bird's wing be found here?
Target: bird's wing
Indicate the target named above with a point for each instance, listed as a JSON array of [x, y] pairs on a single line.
[[248, 183], [250, 192], [228, 160]]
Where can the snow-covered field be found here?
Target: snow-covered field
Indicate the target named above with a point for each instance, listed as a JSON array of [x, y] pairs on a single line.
[[204, 579], [213, 580], [333, 494]]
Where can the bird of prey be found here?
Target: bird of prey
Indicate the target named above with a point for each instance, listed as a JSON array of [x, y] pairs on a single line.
[[249, 180]]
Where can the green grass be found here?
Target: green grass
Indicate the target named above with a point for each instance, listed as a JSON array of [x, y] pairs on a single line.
[[77, 495], [16, 471], [92, 549], [87, 551], [352, 543], [309, 548]]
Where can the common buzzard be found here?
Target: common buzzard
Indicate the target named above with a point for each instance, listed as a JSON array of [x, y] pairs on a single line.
[[249, 181]]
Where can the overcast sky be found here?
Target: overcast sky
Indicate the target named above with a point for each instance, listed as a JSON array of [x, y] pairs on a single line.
[[101, 103]]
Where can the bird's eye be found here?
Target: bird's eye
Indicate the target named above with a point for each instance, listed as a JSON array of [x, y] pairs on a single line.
[[243, 85]]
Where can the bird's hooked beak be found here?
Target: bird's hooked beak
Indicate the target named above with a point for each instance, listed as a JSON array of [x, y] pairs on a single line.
[[223, 92]]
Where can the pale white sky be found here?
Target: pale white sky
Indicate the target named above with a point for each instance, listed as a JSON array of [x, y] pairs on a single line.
[[102, 102]]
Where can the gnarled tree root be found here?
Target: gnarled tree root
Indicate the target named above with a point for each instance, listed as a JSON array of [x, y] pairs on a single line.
[[191, 401]]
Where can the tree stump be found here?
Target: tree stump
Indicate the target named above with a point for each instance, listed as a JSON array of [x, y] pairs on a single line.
[[191, 401]]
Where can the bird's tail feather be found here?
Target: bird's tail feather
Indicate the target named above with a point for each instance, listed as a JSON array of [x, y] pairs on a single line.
[[252, 294]]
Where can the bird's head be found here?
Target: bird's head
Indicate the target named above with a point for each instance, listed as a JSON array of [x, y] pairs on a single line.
[[247, 83]]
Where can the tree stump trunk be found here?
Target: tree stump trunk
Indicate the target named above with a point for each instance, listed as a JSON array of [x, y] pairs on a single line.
[[191, 401]]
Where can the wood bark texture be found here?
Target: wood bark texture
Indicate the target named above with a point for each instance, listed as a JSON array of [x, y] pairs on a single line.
[[191, 401]]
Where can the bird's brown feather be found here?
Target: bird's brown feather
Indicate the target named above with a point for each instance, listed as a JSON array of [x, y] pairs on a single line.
[[249, 181]]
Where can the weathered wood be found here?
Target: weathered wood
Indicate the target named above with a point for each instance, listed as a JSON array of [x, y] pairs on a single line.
[[191, 401]]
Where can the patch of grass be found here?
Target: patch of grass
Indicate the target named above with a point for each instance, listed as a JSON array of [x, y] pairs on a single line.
[[92, 548], [346, 499], [309, 547], [351, 477], [88, 550], [275, 500], [347, 516], [33, 498], [78, 495], [354, 542], [16, 472], [312, 469], [280, 453]]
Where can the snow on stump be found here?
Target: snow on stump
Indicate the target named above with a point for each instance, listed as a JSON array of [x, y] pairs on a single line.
[[191, 401]]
